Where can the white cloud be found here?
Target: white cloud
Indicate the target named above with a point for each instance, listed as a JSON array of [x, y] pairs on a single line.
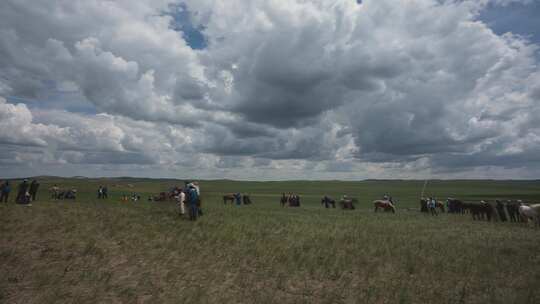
[[383, 87]]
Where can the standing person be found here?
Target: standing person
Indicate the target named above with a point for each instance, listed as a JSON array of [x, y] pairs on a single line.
[[34, 186], [54, 192], [199, 201], [21, 192], [238, 198], [100, 192], [4, 192], [193, 200], [181, 200], [433, 206], [104, 192]]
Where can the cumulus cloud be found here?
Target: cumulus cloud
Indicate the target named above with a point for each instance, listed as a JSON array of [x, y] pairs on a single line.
[[399, 88]]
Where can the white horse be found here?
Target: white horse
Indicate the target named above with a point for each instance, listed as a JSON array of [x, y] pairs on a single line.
[[530, 213]]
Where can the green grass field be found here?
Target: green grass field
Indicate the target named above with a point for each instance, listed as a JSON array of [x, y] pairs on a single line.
[[92, 251]]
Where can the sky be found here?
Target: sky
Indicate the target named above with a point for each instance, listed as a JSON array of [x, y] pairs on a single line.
[[270, 89]]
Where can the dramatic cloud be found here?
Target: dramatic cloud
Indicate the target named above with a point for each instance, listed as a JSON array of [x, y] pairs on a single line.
[[266, 89]]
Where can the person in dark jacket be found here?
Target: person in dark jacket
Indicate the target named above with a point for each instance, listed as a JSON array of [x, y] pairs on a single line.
[[21, 192], [193, 200], [34, 186], [5, 188]]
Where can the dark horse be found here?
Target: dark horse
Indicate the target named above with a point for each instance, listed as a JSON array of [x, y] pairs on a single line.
[[283, 200], [513, 211], [327, 201], [479, 211], [246, 199], [292, 200], [423, 205], [454, 205]]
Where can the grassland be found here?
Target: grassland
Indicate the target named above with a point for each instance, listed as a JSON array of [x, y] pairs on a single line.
[[92, 251]]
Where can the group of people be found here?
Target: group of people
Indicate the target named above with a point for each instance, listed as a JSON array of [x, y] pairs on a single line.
[[429, 205], [102, 192], [239, 198], [59, 194], [291, 199], [26, 192], [189, 198], [134, 197]]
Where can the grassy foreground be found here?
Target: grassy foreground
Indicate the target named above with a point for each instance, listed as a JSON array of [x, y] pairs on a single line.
[[92, 251]]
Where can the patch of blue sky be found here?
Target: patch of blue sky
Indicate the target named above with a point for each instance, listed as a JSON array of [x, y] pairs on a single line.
[[518, 18], [183, 22]]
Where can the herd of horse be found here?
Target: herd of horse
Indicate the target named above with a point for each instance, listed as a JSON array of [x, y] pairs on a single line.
[[513, 211], [344, 203], [239, 198]]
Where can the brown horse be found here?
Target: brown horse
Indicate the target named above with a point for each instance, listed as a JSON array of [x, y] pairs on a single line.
[[385, 205], [440, 205], [229, 197]]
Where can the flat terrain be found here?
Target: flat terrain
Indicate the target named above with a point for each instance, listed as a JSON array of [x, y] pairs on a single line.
[[108, 251]]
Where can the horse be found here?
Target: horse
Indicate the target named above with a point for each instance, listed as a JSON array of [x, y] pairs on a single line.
[[54, 191], [283, 200], [479, 211], [229, 197], [423, 205], [347, 203], [440, 205], [387, 206], [530, 213], [327, 201], [294, 200], [454, 205], [513, 211]]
